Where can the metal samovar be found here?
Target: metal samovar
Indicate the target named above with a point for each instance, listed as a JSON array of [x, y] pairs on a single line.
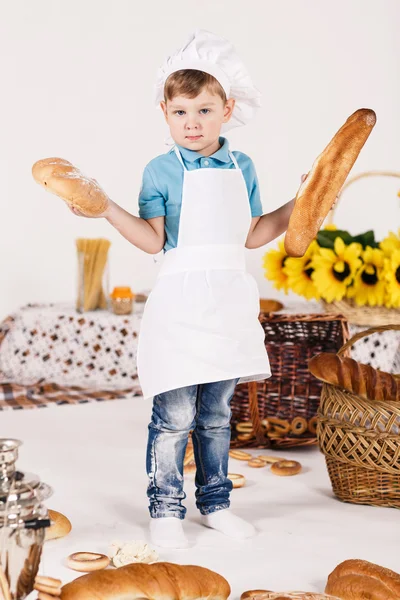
[[23, 521]]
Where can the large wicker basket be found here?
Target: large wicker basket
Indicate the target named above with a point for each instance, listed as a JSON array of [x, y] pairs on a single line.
[[361, 442], [367, 316], [291, 392]]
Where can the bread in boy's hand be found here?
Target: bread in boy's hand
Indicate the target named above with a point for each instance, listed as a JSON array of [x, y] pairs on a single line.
[[66, 181], [318, 192]]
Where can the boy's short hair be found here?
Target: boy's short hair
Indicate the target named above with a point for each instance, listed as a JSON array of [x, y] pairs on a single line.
[[190, 83]]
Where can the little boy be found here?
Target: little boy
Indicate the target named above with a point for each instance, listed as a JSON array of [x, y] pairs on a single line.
[[200, 334]]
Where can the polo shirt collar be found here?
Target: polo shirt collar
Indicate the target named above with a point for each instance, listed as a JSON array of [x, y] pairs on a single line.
[[222, 154]]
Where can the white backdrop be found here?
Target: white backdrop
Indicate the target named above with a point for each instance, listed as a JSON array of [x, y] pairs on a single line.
[[77, 79]]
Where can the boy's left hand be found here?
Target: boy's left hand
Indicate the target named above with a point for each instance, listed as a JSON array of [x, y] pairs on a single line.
[[304, 177]]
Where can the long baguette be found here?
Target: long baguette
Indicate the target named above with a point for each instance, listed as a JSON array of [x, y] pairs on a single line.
[[355, 377], [317, 194]]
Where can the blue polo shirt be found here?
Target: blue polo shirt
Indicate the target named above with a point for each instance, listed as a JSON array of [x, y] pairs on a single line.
[[161, 191]]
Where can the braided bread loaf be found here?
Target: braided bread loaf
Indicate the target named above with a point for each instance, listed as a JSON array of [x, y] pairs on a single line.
[[355, 377]]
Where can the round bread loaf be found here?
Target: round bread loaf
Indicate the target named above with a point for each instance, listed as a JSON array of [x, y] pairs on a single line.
[[60, 527], [355, 579], [268, 306], [60, 177]]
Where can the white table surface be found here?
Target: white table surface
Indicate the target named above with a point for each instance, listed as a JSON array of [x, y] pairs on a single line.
[[93, 456]]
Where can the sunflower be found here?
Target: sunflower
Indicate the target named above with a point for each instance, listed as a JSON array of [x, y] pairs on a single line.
[[273, 263], [299, 271], [390, 243], [334, 270], [393, 280], [369, 282]]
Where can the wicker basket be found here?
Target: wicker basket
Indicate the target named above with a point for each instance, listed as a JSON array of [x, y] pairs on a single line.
[[291, 392], [361, 442], [362, 315]]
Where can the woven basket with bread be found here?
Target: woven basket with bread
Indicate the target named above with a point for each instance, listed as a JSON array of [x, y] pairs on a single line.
[[359, 426], [282, 411]]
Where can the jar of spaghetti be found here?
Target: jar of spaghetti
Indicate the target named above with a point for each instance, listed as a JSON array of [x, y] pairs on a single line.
[[122, 300]]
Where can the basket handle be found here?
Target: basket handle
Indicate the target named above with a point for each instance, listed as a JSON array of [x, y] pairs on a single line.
[[364, 333], [329, 218]]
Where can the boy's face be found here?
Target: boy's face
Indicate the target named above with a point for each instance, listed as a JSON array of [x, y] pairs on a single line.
[[195, 123]]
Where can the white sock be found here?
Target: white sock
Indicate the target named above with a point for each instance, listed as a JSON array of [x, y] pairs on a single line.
[[228, 523], [167, 532]]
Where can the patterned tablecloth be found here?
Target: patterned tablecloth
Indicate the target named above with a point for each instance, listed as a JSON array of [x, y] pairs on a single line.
[[51, 353]]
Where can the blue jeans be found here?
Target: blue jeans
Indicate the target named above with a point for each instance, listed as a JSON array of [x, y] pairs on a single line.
[[205, 410]]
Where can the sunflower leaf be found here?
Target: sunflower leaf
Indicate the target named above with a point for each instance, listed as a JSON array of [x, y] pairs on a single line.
[[366, 239], [326, 237]]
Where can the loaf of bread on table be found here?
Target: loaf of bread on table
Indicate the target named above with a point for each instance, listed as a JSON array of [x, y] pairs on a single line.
[[355, 377], [359, 579], [158, 581], [66, 181], [318, 192]]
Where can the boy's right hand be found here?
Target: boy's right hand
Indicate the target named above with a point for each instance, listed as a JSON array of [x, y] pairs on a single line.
[[78, 213]]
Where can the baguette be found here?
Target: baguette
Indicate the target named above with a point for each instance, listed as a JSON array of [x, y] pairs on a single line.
[[66, 181], [363, 380], [158, 581], [356, 579], [318, 192]]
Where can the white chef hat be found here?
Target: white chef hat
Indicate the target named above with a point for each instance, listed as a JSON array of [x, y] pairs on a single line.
[[207, 52]]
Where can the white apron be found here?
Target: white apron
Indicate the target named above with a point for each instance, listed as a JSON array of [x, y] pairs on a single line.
[[200, 322]]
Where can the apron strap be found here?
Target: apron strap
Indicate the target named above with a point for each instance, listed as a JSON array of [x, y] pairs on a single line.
[[179, 157], [233, 159]]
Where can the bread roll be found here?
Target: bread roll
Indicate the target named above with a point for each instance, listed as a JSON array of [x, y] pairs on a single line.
[[318, 192], [268, 306], [66, 181], [60, 527], [159, 581], [251, 594], [355, 579], [355, 377]]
